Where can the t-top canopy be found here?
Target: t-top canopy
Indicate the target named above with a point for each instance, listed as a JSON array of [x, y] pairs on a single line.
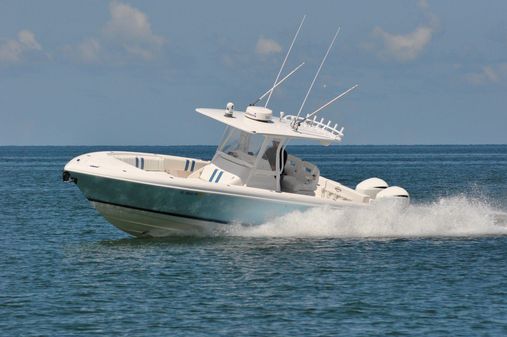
[[310, 129]]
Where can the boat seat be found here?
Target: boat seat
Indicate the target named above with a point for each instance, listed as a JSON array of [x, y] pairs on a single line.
[[216, 175], [147, 163], [300, 176], [173, 165]]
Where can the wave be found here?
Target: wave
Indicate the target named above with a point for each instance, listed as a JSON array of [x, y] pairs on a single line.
[[458, 216]]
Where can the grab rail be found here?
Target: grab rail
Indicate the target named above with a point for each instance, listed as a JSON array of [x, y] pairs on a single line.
[[319, 126]]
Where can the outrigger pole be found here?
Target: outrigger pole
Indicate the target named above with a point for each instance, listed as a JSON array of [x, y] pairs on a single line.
[[295, 124], [270, 91], [284, 61], [330, 102]]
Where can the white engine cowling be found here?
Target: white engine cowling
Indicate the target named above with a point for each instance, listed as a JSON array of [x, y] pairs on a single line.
[[395, 194], [371, 187]]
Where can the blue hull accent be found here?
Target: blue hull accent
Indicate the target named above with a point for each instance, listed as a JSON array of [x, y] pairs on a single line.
[[202, 206]]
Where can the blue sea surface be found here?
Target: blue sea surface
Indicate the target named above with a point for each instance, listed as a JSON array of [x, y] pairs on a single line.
[[437, 269]]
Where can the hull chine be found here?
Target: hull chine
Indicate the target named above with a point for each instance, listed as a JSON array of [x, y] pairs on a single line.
[[144, 223]]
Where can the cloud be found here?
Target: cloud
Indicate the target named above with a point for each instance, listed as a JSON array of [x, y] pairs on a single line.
[[407, 47], [266, 47], [423, 4], [14, 50], [489, 74], [126, 36], [404, 47], [89, 50], [130, 28]]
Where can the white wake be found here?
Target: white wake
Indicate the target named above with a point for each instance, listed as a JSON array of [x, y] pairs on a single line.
[[454, 216]]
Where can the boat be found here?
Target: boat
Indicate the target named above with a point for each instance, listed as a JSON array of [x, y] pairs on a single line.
[[250, 180]]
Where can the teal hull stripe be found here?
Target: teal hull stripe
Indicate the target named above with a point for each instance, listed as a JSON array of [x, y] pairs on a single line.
[[186, 165], [160, 212], [219, 176], [193, 166], [205, 204], [213, 175]]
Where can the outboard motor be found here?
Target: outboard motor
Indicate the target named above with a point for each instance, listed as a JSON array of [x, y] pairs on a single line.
[[395, 195], [371, 187]]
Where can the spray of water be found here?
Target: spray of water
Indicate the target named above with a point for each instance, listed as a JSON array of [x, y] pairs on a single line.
[[447, 217]]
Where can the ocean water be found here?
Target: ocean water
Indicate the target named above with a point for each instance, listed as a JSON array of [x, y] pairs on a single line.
[[437, 269]]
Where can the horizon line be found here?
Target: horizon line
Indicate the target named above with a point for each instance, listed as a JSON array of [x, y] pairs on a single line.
[[214, 145]]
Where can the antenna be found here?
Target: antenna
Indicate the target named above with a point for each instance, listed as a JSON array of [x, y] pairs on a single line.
[[277, 84], [285, 60], [330, 102], [316, 75]]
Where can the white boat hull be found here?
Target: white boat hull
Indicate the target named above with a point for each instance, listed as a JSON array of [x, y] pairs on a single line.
[[158, 203]]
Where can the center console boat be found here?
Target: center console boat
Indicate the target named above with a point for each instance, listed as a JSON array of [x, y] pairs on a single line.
[[250, 179]]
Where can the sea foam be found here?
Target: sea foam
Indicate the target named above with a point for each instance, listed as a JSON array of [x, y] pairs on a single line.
[[446, 217]]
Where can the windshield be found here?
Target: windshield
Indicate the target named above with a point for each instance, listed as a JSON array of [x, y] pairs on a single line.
[[241, 145]]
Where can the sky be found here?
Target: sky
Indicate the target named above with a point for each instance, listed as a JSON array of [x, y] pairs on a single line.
[[132, 72]]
